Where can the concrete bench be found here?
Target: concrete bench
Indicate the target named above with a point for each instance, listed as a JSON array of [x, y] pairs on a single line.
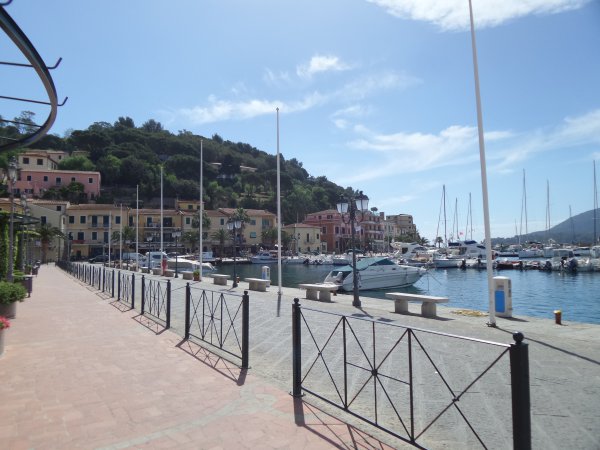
[[169, 273], [145, 269], [187, 275], [320, 292], [257, 284], [428, 302], [156, 271], [220, 279]]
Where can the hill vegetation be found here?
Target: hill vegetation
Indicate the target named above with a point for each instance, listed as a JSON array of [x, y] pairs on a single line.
[[128, 156]]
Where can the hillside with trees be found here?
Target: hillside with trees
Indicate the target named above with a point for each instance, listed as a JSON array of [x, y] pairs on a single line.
[[127, 156]]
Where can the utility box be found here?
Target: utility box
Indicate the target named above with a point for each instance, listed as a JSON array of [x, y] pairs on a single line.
[[266, 274], [503, 296]]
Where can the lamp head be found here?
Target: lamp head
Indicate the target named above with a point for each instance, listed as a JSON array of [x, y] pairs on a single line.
[[362, 202], [342, 206]]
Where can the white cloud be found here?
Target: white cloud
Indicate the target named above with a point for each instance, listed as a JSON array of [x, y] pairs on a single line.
[[454, 14], [319, 63], [219, 110], [367, 85]]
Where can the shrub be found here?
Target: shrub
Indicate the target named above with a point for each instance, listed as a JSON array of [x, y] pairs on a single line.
[[11, 292]]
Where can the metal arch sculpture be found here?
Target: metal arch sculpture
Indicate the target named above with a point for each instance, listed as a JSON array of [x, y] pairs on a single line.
[[13, 31]]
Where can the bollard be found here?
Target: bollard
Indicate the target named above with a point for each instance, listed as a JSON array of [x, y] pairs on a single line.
[[296, 349], [557, 316], [521, 406]]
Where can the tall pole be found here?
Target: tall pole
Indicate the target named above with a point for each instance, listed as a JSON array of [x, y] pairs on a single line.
[[11, 239], [109, 236], [161, 211], [278, 212], [595, 205], [484, 189], [137, 227], [201, 245], [121, 234]]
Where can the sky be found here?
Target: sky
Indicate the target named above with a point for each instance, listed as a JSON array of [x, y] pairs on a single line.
[[378, 95]]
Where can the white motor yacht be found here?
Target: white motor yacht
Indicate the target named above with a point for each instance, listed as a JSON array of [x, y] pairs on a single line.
[[375, 273]]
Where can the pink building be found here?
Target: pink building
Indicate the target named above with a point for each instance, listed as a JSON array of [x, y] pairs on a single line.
[[34, 183]]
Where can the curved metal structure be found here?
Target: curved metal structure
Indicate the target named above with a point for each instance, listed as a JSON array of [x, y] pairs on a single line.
[[13, 31]]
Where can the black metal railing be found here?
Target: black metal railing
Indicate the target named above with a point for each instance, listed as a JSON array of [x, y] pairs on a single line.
[[411, 383], [126, 288], [219, 319], [156, 300]]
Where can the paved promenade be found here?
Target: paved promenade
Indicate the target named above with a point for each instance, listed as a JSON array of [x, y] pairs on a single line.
[[79, 372]]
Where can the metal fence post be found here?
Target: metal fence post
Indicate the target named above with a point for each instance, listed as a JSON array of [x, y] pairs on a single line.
[[103, 279], [296, 349], [245, 330], [521, 407], [132, 291], [112, 292], [143, 293], [188, 297], [168, 324], [119, 286]]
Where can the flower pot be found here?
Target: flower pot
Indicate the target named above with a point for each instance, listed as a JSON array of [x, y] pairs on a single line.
[[8, 310]]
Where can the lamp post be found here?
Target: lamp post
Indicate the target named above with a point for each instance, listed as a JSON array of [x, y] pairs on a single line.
[[12, 176], [176, 235], [350, 206], [233, 225]]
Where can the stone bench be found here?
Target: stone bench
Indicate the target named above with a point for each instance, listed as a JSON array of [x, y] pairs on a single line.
[[428, 302], [320, 292], [257, 284], [168, 273], [145, 269], [156, 271], [220, 279], [187, 275]]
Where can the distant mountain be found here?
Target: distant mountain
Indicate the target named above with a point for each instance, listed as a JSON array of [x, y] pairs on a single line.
[[577, 230]]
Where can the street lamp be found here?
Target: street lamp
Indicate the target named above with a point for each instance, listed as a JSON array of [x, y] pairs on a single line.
[[350, 206], [176, 235], [233, 225], [12, 176]]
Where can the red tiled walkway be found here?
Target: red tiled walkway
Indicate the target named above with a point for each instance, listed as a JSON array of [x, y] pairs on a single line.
[[79, 373]]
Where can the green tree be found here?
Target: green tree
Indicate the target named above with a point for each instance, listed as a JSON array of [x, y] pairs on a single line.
[[191, 239], [47, 234], [221, 237], [77, 163]]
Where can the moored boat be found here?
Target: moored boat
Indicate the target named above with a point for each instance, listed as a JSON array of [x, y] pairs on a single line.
[[375, 273]]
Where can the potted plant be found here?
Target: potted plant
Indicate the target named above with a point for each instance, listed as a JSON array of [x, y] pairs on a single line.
[[10, 294], [196, 275], [4, 324]]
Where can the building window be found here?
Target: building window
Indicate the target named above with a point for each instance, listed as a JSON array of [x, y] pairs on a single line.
[[25, 160], [81, 219], [28, 177], [329, 216], [253, 222], [105, 220], [80, 236], [117, 220], [190, 207], [91, 180], [72, 179], [71, 219], [59, 208], [40, 162], [45, 177], [188, 220], [43, 220], [337, 230], [106, 237], [222, 221], [58, 181], [324, 230], [318, 236], [253, 234], [94, 235]]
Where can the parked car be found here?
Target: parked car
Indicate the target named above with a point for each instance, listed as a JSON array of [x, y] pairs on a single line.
[[99, 259]]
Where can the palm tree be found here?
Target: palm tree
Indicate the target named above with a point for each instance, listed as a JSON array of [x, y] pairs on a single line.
[[221, 236], [269, 236], [439, 241], [191, 238], [46, 234]]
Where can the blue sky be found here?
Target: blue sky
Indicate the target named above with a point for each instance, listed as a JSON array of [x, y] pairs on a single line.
[[374, 94]]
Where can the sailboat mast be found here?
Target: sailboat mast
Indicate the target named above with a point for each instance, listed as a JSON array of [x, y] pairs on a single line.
[[547, 210], [469, 220], [595, 205], [445, 228]]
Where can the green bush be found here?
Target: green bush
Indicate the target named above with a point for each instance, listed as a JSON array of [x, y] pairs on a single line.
[[11, 292]]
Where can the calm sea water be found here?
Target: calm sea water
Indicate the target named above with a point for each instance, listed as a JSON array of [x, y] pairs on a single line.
[[534, 293]]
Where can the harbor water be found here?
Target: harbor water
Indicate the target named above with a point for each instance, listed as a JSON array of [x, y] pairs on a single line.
[[534, 293]]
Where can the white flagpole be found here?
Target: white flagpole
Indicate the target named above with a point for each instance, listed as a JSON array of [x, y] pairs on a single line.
[[121, 234], [484, 189], [278, 211], [137, 227], [161, 209], [109, 235], [201, 210]]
